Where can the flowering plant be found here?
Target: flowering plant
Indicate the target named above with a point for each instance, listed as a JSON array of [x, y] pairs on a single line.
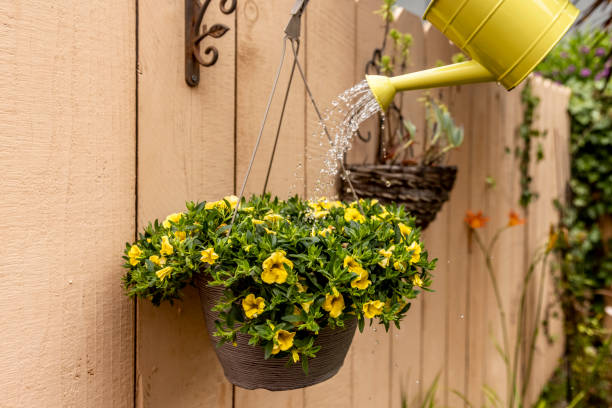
[[289, 268]]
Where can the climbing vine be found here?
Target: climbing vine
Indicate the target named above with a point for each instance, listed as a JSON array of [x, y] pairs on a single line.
[[527, 135]]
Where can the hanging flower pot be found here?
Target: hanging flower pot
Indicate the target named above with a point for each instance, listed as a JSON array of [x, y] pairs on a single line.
[[246, 367], [422, 190], [283, 284]]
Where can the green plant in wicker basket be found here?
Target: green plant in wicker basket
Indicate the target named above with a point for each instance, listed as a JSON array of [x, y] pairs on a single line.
[[442, 135], [289, 268]]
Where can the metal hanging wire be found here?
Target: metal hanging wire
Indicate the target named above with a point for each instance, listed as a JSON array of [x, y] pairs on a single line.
[[292, 33]]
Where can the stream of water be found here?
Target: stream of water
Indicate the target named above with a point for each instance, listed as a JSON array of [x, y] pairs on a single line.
[[340, 123]]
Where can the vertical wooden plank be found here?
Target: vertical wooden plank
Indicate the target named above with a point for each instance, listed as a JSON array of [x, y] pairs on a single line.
[[369, 34], [507, 254], [67, 128], [458, 248], [550, 116], [186, 151], [330, 56], [260, 30], [476, 314], [434, 323], [407, 344]]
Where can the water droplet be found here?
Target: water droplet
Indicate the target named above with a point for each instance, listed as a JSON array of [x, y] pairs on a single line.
[[70, 282], [387, 183], [418, 382], [461, 316]]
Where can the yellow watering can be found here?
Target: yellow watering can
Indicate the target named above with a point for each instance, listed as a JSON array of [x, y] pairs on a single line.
[[506, 40]]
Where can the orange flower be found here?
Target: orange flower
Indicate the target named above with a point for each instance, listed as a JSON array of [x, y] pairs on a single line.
[[475, 220], [515, 220]]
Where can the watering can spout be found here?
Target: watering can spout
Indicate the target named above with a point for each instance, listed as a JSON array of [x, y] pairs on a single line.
[[469, 72], [506, 39]]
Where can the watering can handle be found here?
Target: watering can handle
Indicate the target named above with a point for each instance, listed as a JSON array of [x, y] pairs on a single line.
[[294, 26]]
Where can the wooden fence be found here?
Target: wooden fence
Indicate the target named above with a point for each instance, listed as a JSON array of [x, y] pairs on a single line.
[[94, 88]]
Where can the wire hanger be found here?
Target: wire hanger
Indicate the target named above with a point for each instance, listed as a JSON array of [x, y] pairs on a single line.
[[292, 35]]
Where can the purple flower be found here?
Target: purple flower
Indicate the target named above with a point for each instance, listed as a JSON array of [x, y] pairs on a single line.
[[600, 52], [563, 54], [602, 74], [585, 49], [571, 69], [585, 72]]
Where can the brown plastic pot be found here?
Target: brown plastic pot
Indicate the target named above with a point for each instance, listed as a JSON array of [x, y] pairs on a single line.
[[245, 366]]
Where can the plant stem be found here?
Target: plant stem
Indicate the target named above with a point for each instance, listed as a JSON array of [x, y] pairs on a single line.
[[519, 330], [536, 328], [500, 306]]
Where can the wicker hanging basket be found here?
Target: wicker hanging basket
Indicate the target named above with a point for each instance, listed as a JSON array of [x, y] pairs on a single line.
[[245, 366], [421, 189]]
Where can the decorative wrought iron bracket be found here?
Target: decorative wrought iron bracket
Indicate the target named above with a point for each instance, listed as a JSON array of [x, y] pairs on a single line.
[[195, 32]]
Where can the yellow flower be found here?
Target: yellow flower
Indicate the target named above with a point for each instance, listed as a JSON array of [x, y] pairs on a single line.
[[353, 214], [269, 231], [417, 281], [159, 261], [386, 256], [416, 252], [275, 349], [399, 266], [334, 303], [373, 308], [404, 229], [382, 215], [326, 231], [248, 209], [253, 306], [301, 288], [351, 263], [164, 273], [284, 339], [181, 235], [209, 256], [134, 253], [247, 248], [257, 222], [273, 217], [295, 355], [274, 268], [175, 218], [167, 248], [361, 282], [221, 205], [306, 305], [320, 214], [233, 200]]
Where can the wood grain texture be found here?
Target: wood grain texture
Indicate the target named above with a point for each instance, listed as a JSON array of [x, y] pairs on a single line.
[[67, 126], [260, 29], [186, 152], [550, 177], [406, 357], [330, 53]]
